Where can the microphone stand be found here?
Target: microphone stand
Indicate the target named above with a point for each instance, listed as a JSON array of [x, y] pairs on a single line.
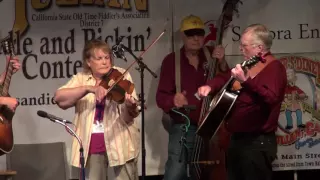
[[142, 67], [183, 139], [81, 147]]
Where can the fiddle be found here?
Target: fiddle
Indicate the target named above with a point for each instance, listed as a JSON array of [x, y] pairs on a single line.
[[117, 86]]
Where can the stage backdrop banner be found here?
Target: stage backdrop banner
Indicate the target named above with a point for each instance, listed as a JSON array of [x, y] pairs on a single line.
[[50, 37], [53, 33]]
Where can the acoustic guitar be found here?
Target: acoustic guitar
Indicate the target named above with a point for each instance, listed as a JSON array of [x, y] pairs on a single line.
[[222, 103], [6, 114], [208, 157]]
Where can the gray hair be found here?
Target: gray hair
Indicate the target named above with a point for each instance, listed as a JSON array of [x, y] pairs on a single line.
[[262, 35]]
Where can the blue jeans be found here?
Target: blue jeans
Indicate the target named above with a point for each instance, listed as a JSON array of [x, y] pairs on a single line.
[[175, 170]]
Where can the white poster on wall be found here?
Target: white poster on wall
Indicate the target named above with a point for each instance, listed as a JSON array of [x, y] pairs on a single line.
[[299, 126]]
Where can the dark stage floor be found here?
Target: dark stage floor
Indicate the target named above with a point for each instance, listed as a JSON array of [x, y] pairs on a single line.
[[279, 175]]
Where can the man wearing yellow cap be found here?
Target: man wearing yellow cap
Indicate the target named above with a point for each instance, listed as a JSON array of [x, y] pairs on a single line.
[[182, 73]]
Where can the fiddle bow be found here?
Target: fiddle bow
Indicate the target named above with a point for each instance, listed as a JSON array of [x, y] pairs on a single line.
[[113, 85]]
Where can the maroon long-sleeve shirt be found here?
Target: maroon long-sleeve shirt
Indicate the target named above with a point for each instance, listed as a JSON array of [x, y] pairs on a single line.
[[257, 108], [191, 80]]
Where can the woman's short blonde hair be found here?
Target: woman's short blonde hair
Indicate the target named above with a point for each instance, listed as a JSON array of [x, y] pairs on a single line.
[[88, 51]]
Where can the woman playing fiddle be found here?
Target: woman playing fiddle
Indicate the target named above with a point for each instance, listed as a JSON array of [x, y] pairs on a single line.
[[108, 129]]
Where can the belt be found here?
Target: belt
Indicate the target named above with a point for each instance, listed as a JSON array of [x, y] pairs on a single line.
[[252, 135]]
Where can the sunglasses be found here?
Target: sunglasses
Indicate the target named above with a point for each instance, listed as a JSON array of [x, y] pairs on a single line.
[[194, 32]]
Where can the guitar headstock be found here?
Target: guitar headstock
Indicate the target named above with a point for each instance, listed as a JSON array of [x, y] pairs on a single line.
[[229, 8], [251, 62], [8, 47]]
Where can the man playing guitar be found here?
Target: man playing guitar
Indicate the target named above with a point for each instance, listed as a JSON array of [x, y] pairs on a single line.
[[254, 117]]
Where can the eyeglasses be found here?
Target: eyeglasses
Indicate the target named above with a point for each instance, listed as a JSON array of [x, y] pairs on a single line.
[[245, 45]]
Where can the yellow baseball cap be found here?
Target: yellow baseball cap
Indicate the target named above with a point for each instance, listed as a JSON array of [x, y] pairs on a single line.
[[191, 22]]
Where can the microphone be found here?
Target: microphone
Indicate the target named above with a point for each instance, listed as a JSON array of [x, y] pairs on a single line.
[[52, 117], [118, 50]]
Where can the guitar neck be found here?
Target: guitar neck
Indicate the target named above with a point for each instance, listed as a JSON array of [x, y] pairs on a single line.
[[7, 80]]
